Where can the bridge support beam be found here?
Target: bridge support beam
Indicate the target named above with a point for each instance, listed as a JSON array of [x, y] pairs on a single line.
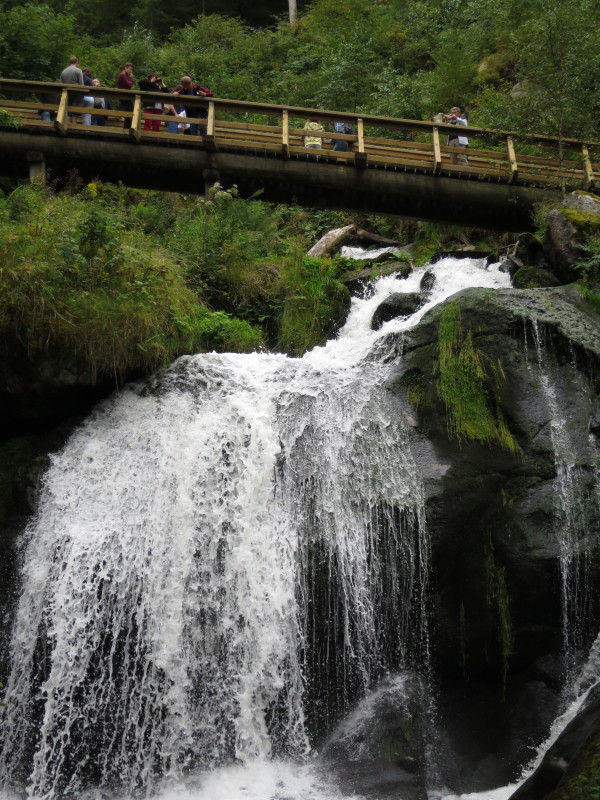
[[184, 167], [37, 166], [211, 176]]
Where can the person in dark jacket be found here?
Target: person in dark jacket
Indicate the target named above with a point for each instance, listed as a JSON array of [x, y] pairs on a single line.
[[188, 88], [151, 84], [125, 81]]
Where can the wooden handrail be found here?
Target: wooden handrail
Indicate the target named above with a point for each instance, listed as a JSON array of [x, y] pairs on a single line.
[[422, 152], [268, 109]]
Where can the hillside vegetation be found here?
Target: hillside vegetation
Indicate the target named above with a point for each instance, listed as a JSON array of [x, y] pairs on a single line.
[[400, 58]]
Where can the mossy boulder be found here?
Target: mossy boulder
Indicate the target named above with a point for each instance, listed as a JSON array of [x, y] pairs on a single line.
[[534, 278], [567, 231], [482, 438]]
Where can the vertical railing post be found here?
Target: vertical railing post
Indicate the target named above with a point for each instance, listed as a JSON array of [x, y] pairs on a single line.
[[512, 158], [61, 122], [136, 120], [209, 136], [360, 156], [437, 153], [587, 166], [285, 133], [210, 125]]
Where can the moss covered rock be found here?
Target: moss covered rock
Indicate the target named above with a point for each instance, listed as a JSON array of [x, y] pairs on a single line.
[[534, 278]]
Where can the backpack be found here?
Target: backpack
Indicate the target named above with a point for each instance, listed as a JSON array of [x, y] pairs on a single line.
[[343, 127]]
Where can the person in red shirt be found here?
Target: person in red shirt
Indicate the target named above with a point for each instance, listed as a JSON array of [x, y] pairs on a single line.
[[125, 81]]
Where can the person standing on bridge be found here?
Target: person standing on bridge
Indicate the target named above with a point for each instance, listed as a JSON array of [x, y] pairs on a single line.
[[456, 118], [125, 81], [187, 88], [72, 76], [313, 142]]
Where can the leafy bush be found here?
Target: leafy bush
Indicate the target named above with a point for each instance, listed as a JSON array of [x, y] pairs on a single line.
[[77, 281]]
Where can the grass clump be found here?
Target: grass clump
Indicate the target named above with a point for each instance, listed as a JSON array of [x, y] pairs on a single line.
[[469, 385], [314, 302]]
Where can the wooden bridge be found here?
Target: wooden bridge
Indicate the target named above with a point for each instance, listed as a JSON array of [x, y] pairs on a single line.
[[393, 166]]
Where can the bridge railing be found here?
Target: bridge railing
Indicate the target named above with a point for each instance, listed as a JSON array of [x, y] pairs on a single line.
[[378, 142]]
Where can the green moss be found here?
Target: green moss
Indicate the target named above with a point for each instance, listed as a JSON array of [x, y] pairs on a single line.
[[586, 221], [534, 278], [424, 253], [593, 298], [469, 384], [415, 389], [582, 781]]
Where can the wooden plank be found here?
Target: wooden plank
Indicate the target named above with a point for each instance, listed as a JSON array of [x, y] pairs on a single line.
[[136, 120], [437, 153], [209, 139], [360, 156], [285, 133], [27, 104], [61, 123], [587, 167]]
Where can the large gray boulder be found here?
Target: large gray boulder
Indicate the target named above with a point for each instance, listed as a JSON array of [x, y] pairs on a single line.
[[568, 227], [492, 518]]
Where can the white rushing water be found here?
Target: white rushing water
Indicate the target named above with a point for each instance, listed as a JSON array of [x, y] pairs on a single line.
[[208, 574]]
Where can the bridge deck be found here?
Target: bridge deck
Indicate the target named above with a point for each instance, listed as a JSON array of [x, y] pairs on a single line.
[[392, 165]]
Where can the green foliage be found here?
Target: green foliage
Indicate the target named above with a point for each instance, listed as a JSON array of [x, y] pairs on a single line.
[[469, 385], [7, 120], [593, 298], [314, 301], [79, 279], [35, 42]]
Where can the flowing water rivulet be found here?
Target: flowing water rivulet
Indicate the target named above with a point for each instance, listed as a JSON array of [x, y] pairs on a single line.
[[223, 562]]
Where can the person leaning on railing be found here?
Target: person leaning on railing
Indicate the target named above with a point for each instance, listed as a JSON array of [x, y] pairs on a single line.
[[151, 84]]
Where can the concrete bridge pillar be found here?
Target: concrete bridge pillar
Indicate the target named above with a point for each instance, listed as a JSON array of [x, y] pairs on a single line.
[[37, 166]]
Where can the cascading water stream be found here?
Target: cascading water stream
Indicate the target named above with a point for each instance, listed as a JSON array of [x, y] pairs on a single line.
[[222, 562], [575, 490]]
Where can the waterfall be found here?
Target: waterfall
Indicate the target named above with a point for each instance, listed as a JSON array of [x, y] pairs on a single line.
[[576, 491], [224, 559]]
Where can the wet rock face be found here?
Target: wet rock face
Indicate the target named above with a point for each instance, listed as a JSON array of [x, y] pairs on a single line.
[[563, 242], [556, 776], [492, 518], [378, 751], [396, 305]]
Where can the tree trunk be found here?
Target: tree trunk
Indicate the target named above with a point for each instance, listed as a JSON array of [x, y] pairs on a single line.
[[293, 12], [331, 241]]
